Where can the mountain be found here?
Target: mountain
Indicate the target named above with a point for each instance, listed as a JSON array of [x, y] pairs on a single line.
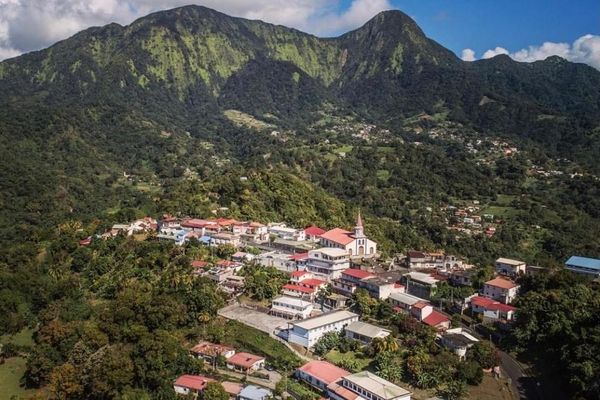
[[153, 97]]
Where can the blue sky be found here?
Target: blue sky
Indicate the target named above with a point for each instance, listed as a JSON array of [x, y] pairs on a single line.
[[527, 30]]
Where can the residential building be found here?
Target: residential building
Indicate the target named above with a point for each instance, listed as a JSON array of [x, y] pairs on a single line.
[[327, 262], [224, 238], [335, 301], [366, 385], [313, 233], [403, 302], [492, 310], [355, 243], [278, 260], [509, 267], [245, 362], [191, 385], [364, 332], [501, 289], [350, 280], [307, 332], [588, 267], [462, 277], [459, 340], [420, 284], [291, 307], [300, 291], [320, 374], [210, 351], [298, 276], [233, 389], [437, 260], [425, 313], [382, 286], [252, 392], [285, 233]]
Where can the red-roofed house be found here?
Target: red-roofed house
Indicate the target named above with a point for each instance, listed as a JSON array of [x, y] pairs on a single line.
[[191, 384], [314, 233], [313, 283], [491, 309], [299, 276], [501, 289], [209, 351], [355, 242], [245, 362], [199, 264], [425, 313], [232, 388], [298, 291], [320, 373]]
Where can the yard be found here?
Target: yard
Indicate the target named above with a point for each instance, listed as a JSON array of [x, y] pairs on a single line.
[[11, 373], [491, 389], [361, 361]]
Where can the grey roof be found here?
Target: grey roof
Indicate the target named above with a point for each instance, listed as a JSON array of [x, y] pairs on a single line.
[[255, 393], [376, 385], [406, 298], [364, 329], [324, 319]]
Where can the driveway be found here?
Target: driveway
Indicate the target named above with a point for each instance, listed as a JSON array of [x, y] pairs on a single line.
[[256, 319]]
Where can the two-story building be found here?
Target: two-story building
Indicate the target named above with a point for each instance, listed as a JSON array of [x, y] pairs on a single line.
[[308, 332], [501, 289], [291, 307], [366, 385], [509, 267], [327, 262]]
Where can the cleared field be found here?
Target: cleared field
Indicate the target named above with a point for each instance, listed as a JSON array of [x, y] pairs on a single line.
[[11, 373]]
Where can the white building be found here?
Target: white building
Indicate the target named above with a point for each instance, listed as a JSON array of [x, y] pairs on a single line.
[[458, 340], [277, 260], [291, 307], [308, 332], [327, 262], [501, 289], [355, 243], [364, 332], [285, 233], [366, 385], [404, 301], [508, 267]]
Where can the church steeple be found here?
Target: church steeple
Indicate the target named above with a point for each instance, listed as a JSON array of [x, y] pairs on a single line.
[[358, 229]]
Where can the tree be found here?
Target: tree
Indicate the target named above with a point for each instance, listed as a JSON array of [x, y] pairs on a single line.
[[452, 390], [385, 344], [362, 302], [470, 371], [64, 382], [484, 353], [214, 391], [388, 366], [326, 343]]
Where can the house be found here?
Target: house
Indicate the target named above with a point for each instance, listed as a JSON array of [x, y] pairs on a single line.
[[355, 243], [420, 284], [191, 385], [320, 374], [224, 238], [492, 310], [146, 224], [462, 277], [298, 276], [403, 302], [364, 332], [245, 362], [382, 285], [233, 389], [438, 260], [209, 352], [327, 262], [283, 232], [254, 232], [307, 332], [291, 307], [334, 301], [588, 267], [508, 267], [425, 313], [296, 290], [252, 392], [366, 385], [501, 289], [242, 257], [350, 280], [278, 260], [313, 233], [459, 340]]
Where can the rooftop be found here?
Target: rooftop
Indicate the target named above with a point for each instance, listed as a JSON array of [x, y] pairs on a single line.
[[233, 388], [298, 288], [584, 262], [406, 298], [376, 385], [435, 318], [332, 251], [422, 277], [502, 283], [255, 393], [195, 382], [323, 371], [244, 360], [314, 231], [357, 273], [293, 301], [338, 235], [324, 319], [313, 282], [367, 330], [509, 261]]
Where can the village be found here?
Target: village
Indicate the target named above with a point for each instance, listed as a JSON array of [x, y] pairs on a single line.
[[327, 269]]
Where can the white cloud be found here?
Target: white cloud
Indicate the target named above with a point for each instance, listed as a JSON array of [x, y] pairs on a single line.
[[585, 50], [468, 55], [494, 52], [27, 25]]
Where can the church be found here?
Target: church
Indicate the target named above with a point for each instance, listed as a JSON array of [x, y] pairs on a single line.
[[355, 243]]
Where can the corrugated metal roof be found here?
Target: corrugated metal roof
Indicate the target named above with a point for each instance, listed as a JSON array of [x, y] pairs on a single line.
[[583, 262]]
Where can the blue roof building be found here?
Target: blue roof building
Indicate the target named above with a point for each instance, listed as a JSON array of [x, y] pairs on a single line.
[[252, 392], [590, 267]]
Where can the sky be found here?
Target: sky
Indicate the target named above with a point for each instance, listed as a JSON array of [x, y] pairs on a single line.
[[526, 30]]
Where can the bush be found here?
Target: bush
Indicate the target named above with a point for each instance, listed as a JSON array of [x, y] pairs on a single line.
[[471, 372]]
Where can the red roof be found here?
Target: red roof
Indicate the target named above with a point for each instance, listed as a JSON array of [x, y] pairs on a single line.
[[298, 288], [502, 307], [435, 318], [199, 264], [244, 360], [299, 256], [323, 371], [491, 305], [339, 236], [195, 382], [357, 273], [227, 263], [226, 221], [502, 283], [311, 283], [416, 254], [342, 392], [210, 349], [196, 223], [298, 274], [314, 231], [232, 388], [481, 301], [420, 305]]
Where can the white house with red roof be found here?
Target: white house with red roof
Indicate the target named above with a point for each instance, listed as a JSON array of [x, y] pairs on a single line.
[[491, 309], [350, 280], [501, 289], [320, 374], [327, 262], [291, 307], [210, 351], [425, 313], [314, 233], [245, 362], [298, 276], [355, 243], [191, 384]]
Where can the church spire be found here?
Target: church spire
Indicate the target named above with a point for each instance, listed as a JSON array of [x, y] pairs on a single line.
[[358, 229]]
